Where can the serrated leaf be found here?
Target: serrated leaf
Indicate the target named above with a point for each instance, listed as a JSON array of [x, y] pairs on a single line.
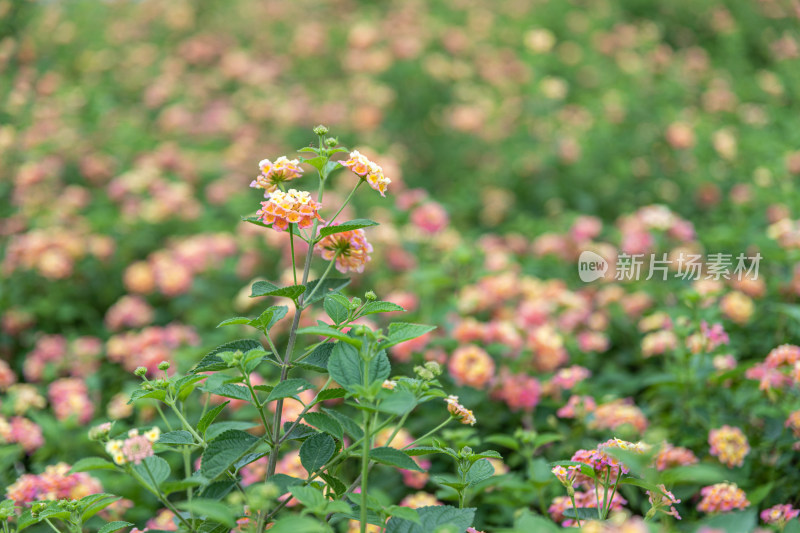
[[92, 463], [350, 225], [308, 496], [209, 417], [422, 450], [176, 437], [289, 389], [96, 504], [229, 390], [481, 470], [349, 425], [218, 428], [211, 362], [326, 423], [270, 317], [328, 331], [317, 360], [224, 451], [431, 518], [113, 526], [371, 308], [284, 482], [406, 513], [329, 286], [299, 432], [330, 394], [168, 487], [347, 368], [393, 457], [337, 307], [316, 451], [296, 524], [265, 288], [154, 470], [211, 509], [404, 331], [397, 402], [141, 394], [257, 221], [234, 321], [337, 485]]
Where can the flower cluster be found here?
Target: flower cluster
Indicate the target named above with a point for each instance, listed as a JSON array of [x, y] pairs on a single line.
[[617, 413], [561, 509], [669, 456], [54, 483], [54, 355], [779, 514], [464, 415], [350, 249], [53, 252], [721, 498], [471, 365], [371, 172], [663, 501], [150, 346], [292, 207], [70, 399], [729, 444], [273, 175], [135, 448], [20, 430]]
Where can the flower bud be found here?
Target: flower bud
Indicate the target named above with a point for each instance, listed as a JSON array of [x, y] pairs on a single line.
[[140, 371], [371, 296], [355, 303], [163, 365], [423, 373], [321, 130], [331, 141], [434, 368]]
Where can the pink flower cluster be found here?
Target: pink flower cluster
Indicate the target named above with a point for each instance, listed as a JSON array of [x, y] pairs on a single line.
[[722, 498], [350, 249], [561, 509], [617, 413], [171, 270], [779, 369], [729, 445], [130, 311], [53, 355], [371, 172], [70, 400], [274, 174], [779, 514], [135, 448], [20, 430], [53, 252], [54, 483], [669, 456], [150, 346], [292, 207]]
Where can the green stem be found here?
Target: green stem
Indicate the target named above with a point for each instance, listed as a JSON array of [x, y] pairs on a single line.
[[276, 421], [365, 446], [428, 434], [163, 500], [605, 494], [324, 275], [291, 244], [187, 425], [304, 411], [346, 201], [574, 506], [187, 470], [613, 493], [257, 403], [164, 418], [49, 523]]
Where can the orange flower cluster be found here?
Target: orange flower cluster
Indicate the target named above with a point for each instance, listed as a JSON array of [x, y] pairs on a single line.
[[371, 172], [273, 174], [292, 207], [722, 497], [459, 411], [350, 248], [729, 444]]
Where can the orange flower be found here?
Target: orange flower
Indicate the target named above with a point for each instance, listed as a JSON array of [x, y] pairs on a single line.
[[371, 172], [273, 174], [284, 208]]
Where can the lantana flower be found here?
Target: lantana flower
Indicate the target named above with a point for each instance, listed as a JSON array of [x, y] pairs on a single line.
[[350, 248], [273, 174], [369, 171], [464, 415], [284, 208]]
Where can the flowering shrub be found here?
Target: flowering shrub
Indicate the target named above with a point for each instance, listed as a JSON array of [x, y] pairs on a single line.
[[507, 139]]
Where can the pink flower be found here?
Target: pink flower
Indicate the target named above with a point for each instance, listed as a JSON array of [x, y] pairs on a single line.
[[371, 172], [274, 174], [471, 365], [350, 249], [721, 498], [430, 217], [70, 398], [729, 444], [284, 208]]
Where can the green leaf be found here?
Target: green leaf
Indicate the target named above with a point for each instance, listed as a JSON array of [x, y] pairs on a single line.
[[528, 521], [113, 526], [176, 437], [422, 450], [396, 402], [265, 288], [257, 221], [584, 513], [406, 513], [296, 524], [270, 317], [546, 438], [218, 428], [235, 320], [328, 331], [211, 362], [349, 425], [299, 432], [347, 368], [224, 451], [93, 504], [700, 474], [26, 520], [481, 470], [92, 463], [329, 285], [308, 496], [431, 518], [168, 487], [733, 522], [350, 225], [404, 331], [338, 486], [326, 423], [484, 454], [289, 388], [210, 509], [337, 307], [317, 360], [142, 394], [229, 390], [393, 457], [209, 417], [316, 451], [158, 468], [330, 394], [284, 482], [316, 162], [371, 308]]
